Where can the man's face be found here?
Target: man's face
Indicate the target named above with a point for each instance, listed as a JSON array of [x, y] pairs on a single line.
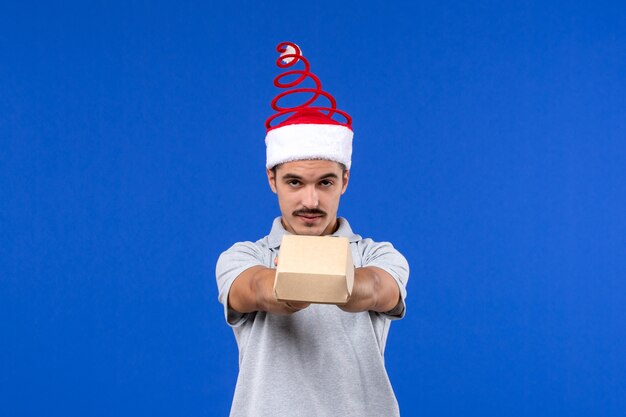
[[308, 195]]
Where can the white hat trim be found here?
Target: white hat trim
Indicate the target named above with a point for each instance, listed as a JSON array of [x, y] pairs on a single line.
[[309, 141]]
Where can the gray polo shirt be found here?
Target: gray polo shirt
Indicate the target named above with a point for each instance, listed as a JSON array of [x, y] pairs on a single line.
[[320, 361]]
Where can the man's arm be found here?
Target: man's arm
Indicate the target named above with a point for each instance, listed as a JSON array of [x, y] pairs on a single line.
[[253, 290], [374, 290]]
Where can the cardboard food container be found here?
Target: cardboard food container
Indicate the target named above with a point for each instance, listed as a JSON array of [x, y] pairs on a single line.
[[314, 269]]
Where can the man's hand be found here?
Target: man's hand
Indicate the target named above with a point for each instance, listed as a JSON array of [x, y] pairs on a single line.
[[374, 290], [253, 290]]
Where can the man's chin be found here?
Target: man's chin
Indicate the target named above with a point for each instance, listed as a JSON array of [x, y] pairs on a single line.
[[305, 228], [308, 230]]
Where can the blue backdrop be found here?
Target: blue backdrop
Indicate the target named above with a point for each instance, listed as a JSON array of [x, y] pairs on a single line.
[[489, 148]]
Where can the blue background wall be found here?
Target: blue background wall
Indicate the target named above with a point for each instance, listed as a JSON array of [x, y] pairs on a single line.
[[490, 149]]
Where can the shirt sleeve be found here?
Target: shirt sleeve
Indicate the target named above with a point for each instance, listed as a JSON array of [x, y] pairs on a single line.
[[230, 265], [384, 256]]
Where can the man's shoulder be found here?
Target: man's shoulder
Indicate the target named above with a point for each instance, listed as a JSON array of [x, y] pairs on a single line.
[[247, 245], [243, 255], [368, 245], [379, 252]]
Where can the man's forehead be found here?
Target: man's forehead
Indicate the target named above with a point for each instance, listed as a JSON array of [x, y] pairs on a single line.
[[309, 167]]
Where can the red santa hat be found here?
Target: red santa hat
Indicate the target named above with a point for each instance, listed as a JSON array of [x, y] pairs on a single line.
[[310, 131]]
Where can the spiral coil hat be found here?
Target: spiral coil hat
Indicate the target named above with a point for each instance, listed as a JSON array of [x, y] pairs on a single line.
[[290, 55], [311, 129]]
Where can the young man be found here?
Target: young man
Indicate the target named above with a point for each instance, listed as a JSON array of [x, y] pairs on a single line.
[[299, 359]]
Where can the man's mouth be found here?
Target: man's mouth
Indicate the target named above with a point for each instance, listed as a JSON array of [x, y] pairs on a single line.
[[309, 216]]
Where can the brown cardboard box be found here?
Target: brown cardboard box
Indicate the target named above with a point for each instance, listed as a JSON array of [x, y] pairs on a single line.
[[315, 269]]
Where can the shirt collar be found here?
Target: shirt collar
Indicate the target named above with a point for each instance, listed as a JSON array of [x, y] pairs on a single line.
[[276, 235]]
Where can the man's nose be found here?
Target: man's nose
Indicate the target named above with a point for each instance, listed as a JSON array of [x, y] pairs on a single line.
[[310, 199]]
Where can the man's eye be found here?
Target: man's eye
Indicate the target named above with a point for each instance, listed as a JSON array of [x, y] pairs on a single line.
[[326, 183], [293, 183]]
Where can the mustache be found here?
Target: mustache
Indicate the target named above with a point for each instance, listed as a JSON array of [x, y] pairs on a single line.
[[309, 212]]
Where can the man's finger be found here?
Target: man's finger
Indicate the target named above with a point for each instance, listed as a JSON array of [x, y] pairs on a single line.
[[296, 305]]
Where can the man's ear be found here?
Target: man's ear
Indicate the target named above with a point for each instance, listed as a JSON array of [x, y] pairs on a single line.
[[271, 179], [346, 179]]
